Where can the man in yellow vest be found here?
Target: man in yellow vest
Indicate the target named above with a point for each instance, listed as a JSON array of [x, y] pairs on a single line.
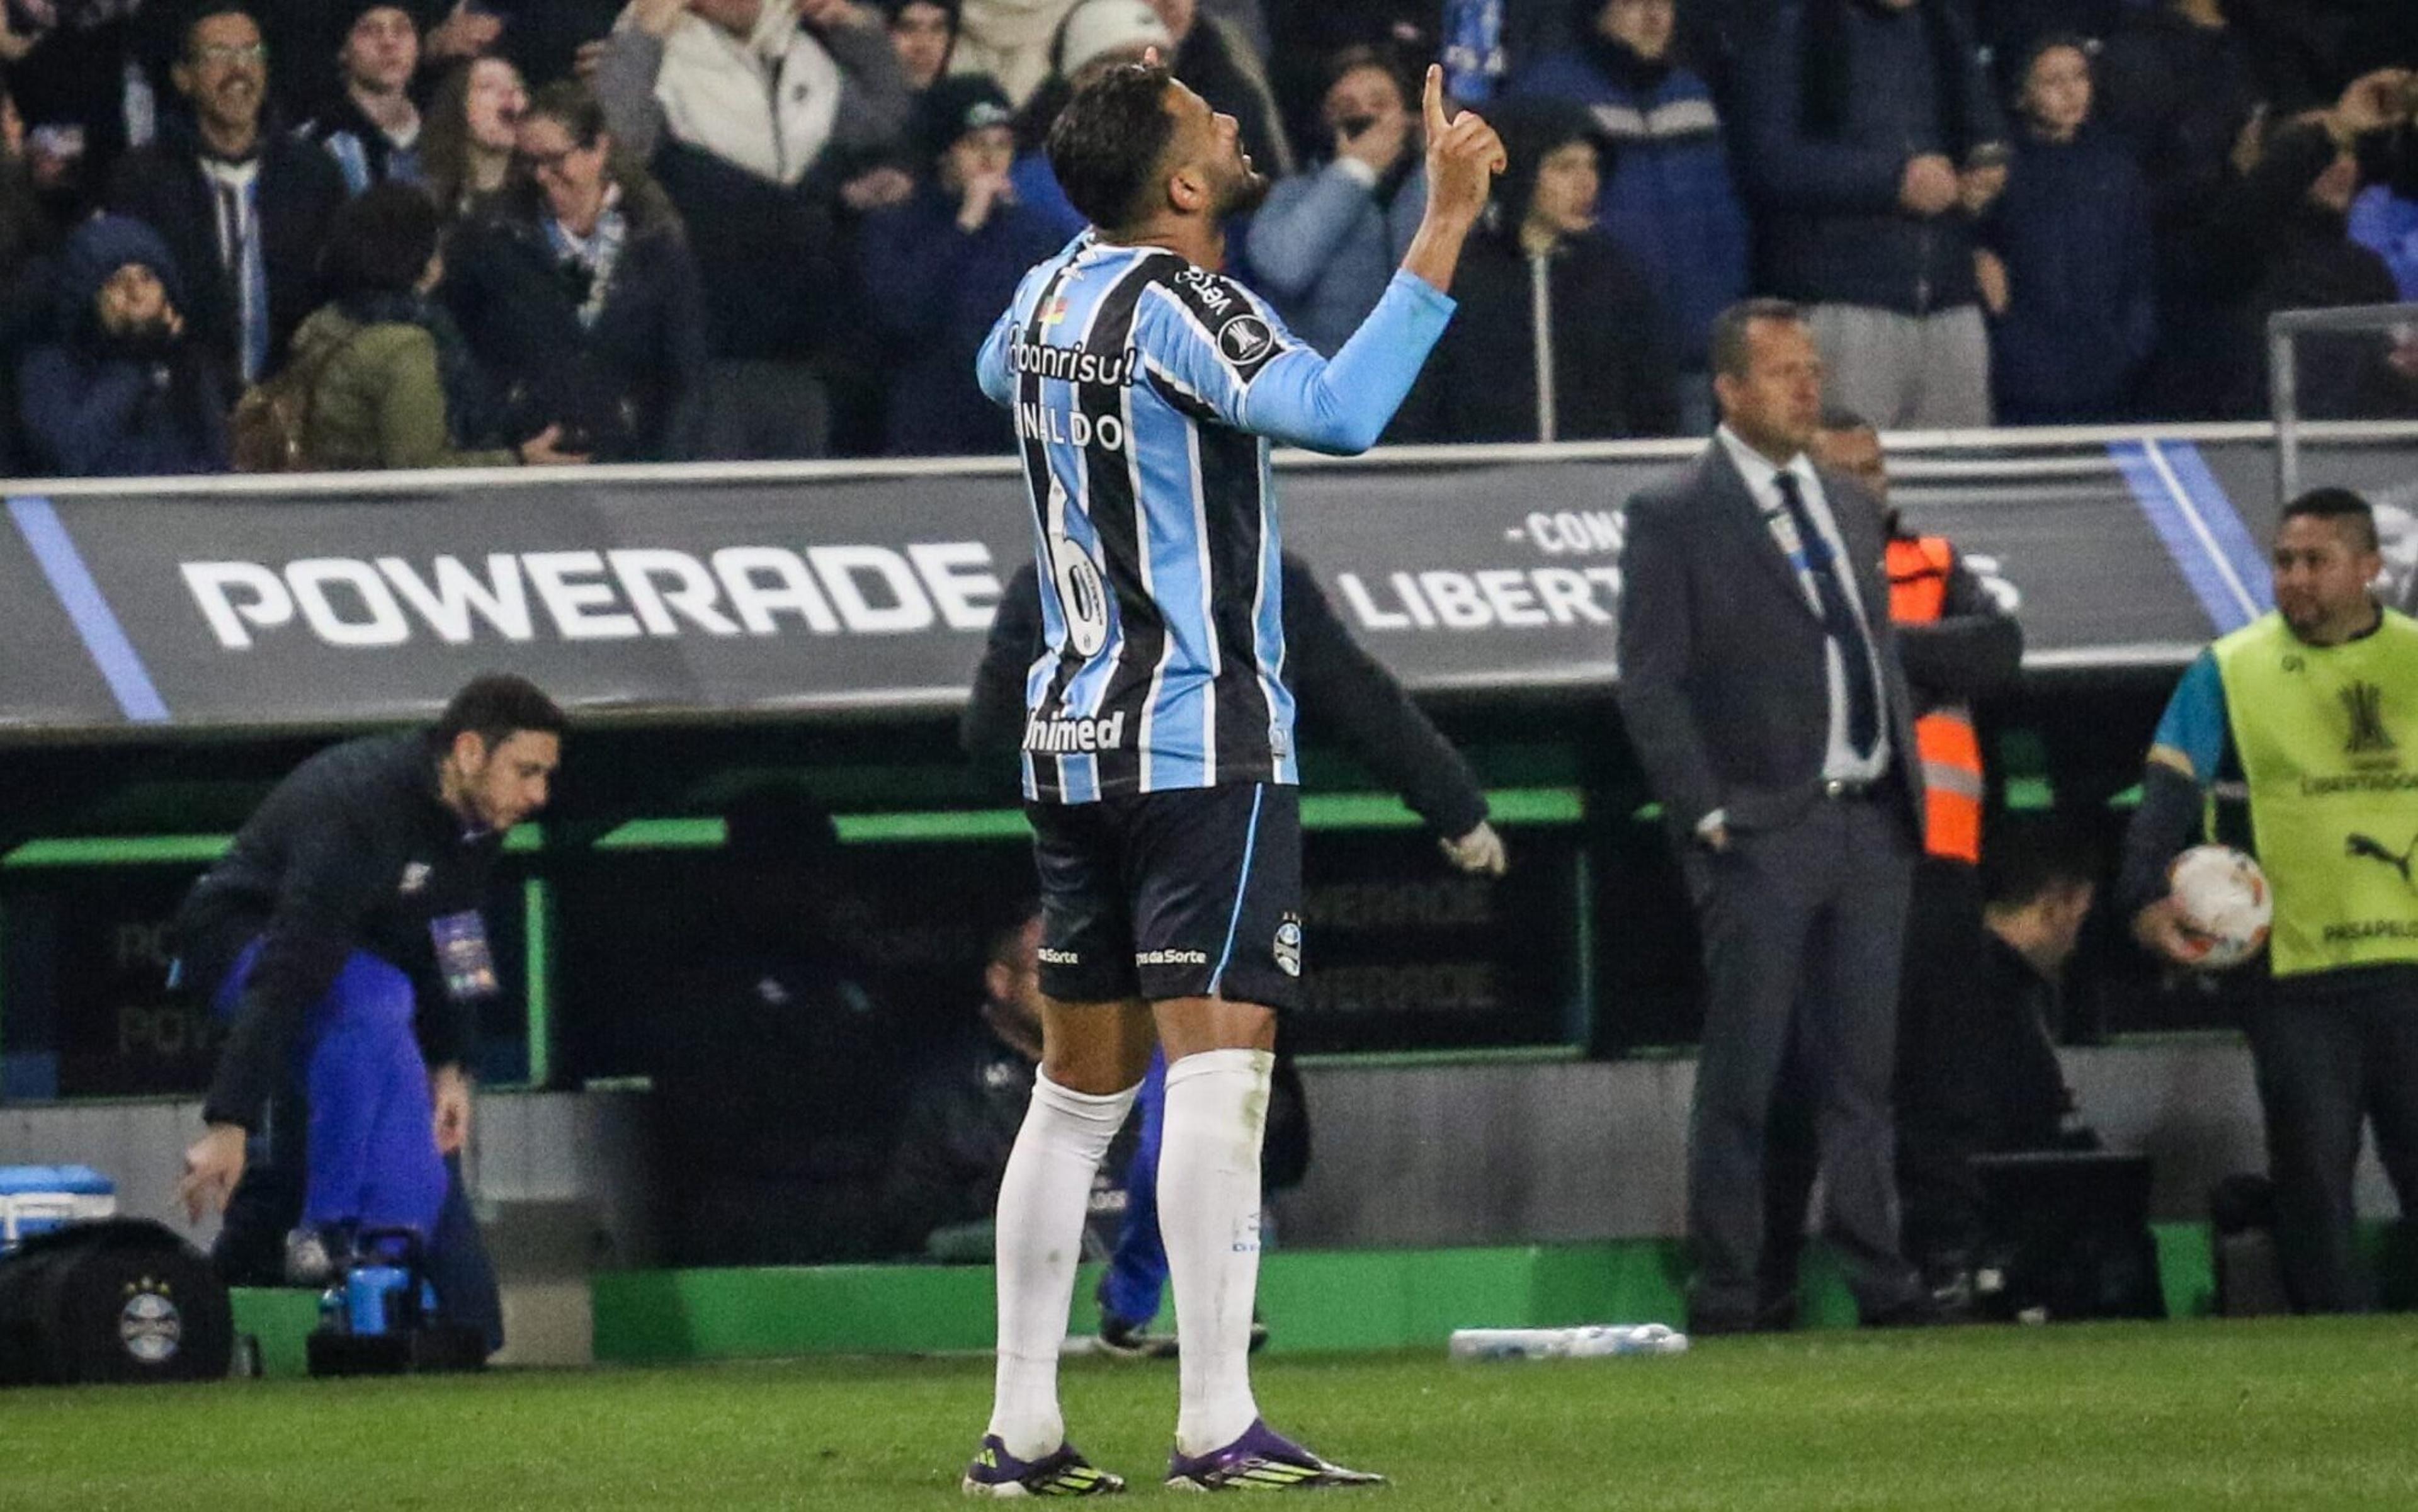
[[1957, 646], [2313, 712]]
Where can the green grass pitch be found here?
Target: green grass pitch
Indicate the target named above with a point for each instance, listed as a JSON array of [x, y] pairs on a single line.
[[2272, 1415]]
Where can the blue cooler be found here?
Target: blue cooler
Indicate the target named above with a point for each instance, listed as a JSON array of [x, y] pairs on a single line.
[[39, 1200]]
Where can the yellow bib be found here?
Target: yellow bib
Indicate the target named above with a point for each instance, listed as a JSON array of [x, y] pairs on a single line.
[[2328, 737]]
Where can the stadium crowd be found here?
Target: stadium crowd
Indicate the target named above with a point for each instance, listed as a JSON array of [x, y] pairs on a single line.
[[263, 233]]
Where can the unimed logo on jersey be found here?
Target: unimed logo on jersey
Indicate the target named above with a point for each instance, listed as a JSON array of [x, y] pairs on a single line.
[[621, 594]]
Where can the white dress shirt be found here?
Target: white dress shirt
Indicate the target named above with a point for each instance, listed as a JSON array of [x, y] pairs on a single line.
[[1840, 762]]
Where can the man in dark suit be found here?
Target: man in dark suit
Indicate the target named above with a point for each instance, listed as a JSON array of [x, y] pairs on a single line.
[[1760, 684], [244, 209]]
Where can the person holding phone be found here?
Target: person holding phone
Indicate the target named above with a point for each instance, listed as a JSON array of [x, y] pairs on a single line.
[[1328, 240]]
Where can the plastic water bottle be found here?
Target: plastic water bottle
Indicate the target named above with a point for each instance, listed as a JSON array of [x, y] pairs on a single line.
[[1590, 1341]]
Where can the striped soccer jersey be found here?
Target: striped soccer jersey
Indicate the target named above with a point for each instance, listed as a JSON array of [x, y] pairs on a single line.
[[1145, 391]]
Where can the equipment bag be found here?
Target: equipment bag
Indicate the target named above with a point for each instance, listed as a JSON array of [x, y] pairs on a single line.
[[123, 1300]]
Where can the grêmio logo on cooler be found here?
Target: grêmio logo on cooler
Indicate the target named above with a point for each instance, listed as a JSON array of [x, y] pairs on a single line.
[[621, 594]]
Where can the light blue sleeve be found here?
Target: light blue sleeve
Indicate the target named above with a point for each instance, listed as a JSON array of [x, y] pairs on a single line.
[[2192, 735], [990, 363], [1218, 347]]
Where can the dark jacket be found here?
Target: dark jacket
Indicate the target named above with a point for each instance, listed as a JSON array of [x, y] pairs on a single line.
[[777, 1081], [1668, 199], [1611, 376], [353, 851], [625, 388], [2179, 94], [1824, 166], [95, 406], [361, 151], [1721, 682], [299, 192], [1339, 688], [2264, 247], [962, 1114], [936, 292], [2073, 230]]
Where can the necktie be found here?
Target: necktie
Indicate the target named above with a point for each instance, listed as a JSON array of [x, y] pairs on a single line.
[[1838, 619]]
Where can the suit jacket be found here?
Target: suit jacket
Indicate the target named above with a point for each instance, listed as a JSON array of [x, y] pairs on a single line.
[[301, 190], [1722, 685]]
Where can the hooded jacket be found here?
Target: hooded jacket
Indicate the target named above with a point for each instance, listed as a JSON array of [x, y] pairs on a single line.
[[97, 405], [1558, 347], [1669, 199]]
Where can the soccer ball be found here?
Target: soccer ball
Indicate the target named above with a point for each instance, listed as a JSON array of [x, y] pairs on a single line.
[[2224, 902]]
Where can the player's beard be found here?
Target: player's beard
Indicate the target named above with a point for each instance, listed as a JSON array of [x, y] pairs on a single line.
[[1244, 191]]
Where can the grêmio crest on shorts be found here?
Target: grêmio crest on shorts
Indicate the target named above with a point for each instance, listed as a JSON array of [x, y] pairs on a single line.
[[1155, 527]]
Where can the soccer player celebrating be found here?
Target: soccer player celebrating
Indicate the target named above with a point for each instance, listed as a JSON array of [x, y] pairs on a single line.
[[1158, 762]]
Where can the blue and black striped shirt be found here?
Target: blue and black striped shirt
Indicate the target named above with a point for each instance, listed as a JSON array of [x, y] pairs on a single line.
[[1146, 391]]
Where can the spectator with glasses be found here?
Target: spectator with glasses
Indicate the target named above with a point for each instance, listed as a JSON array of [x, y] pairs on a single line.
[[244, 210], [579, 295]]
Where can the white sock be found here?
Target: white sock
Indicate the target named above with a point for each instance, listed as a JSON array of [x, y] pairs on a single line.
[[1209, 1214], [1043, 1198]]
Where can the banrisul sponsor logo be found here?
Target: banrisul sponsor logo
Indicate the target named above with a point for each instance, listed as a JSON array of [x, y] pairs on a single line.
[[621, 594]]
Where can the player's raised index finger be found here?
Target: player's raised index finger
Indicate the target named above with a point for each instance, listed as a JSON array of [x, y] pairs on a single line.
[[1434, 102]]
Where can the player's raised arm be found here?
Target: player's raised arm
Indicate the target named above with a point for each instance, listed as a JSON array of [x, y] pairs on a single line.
[[1342, 404], [1463, 156]]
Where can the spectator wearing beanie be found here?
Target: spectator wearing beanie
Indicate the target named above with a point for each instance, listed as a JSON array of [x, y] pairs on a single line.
[[243, 209], [371, 130], [579, 294], [1096, 37], [943, 266], [751, 115], [1327, 242], [1554, 337], [393, 383], [2068, 274], [1870, 144], [1669, 200], [923, 32], [126, 390]]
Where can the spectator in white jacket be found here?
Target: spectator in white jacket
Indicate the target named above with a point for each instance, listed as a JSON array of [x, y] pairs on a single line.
[[752, 114]]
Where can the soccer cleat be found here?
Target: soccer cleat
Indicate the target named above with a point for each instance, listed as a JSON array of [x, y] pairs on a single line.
[[1261, 1460], [1064, 1472]]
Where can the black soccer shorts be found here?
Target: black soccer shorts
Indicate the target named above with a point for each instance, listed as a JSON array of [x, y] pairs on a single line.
[[1193, 894]]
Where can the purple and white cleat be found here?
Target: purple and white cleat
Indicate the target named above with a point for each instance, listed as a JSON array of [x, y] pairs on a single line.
[[1063, 1472], [1261, 1460]]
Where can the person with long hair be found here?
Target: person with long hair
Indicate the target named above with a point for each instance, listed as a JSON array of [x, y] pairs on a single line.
[[393, 382], [580, 294], [465, 148]]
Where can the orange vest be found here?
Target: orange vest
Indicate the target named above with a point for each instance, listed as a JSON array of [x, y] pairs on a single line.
[[1944, 738]]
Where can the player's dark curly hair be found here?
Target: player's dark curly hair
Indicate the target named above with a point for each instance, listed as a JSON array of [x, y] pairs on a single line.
[[1107, 146]]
